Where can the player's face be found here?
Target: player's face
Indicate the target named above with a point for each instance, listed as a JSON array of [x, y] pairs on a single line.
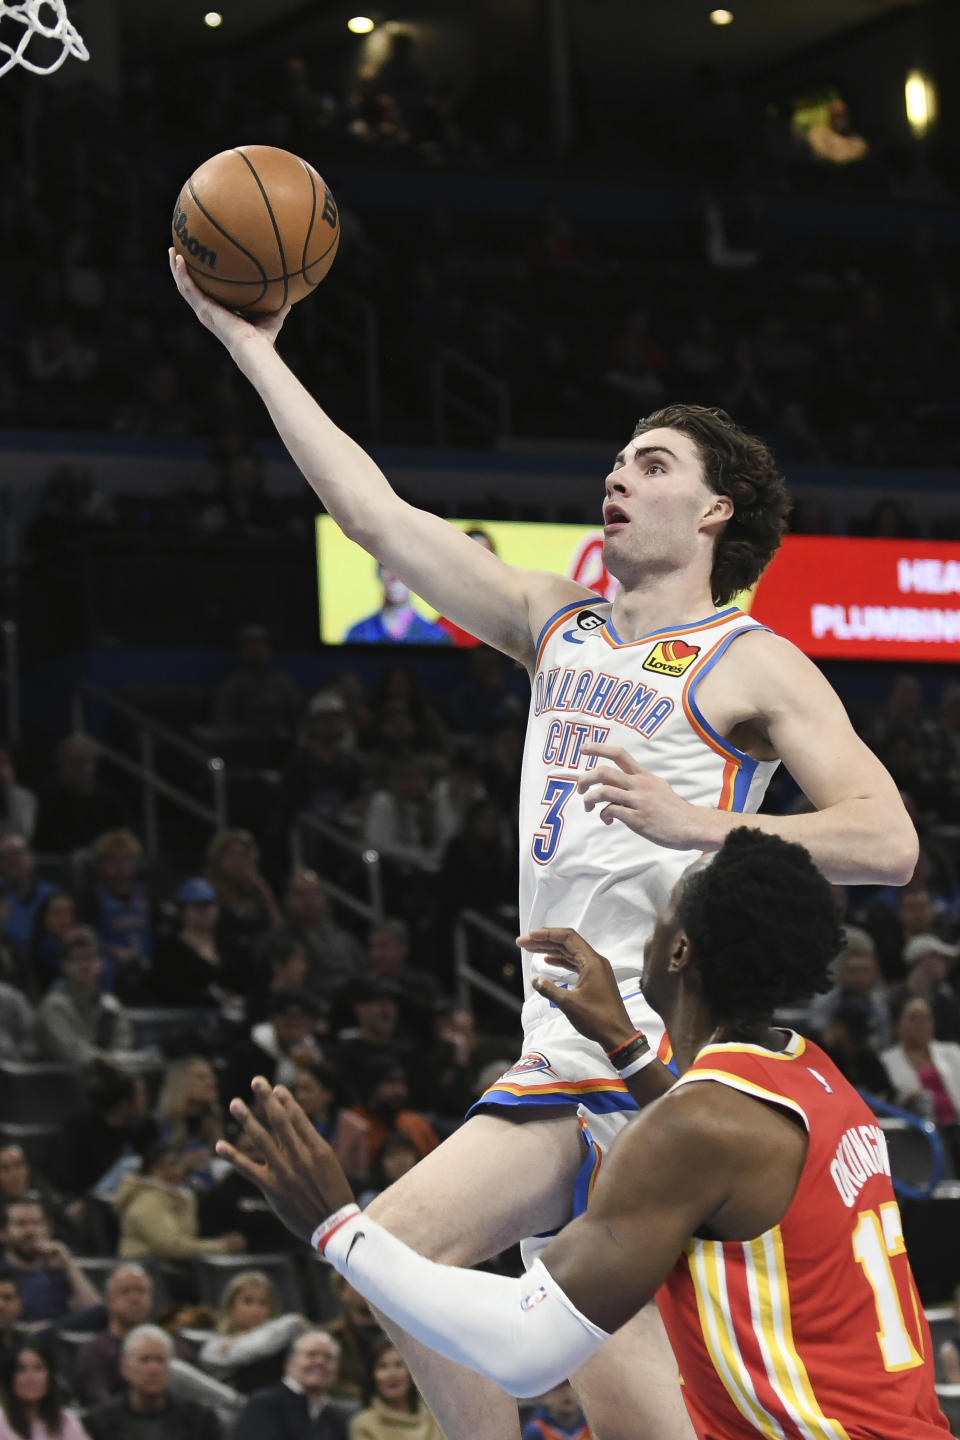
[[658, 506]]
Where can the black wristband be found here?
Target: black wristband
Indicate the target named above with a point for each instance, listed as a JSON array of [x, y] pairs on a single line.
[[630, 1052]]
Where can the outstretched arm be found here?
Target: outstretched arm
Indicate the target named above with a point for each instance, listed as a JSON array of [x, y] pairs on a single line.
[[502, 604], [667, 1174]]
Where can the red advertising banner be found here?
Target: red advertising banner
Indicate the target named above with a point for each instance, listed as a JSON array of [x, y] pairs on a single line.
[[864, 599]]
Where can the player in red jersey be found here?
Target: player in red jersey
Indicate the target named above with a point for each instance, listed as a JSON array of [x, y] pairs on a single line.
[[752, 1196]]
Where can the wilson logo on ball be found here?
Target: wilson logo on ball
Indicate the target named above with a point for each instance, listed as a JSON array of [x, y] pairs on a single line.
[[671, 657], [202, 253]]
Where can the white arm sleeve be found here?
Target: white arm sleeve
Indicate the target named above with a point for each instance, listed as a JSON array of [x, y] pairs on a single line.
[[523, 1334]]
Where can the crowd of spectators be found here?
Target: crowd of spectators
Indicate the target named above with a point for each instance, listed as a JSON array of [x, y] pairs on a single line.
[[163, 988], [835, 349]]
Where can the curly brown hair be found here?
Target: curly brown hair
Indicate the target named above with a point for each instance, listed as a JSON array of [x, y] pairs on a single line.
[[737, 464]]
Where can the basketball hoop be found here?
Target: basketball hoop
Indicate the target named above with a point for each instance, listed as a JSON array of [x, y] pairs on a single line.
[[31, 15]]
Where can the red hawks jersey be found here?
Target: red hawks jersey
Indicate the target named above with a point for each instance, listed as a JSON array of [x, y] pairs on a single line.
[[590, 686], [814, 1330]]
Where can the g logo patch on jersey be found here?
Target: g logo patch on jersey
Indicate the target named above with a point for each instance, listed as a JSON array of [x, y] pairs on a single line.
[[586, 620], [671, 657]]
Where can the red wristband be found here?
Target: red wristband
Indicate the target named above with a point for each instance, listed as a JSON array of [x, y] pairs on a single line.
[[324, 1232]]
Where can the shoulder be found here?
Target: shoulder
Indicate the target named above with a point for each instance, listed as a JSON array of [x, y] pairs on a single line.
[[691, 1135], [550, 595]]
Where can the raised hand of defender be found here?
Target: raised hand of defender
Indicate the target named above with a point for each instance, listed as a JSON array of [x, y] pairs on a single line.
[[231, 329], [640, 800], [593, 1005], [283, 1155]]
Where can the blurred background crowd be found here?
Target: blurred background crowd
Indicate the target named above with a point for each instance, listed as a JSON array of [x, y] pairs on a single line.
[[547, 231]]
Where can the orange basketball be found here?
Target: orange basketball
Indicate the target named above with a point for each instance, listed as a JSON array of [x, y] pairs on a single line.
[[257, 227]]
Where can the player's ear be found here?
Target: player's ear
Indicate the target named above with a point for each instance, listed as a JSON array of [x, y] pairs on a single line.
[[680, 954], [719, 511]]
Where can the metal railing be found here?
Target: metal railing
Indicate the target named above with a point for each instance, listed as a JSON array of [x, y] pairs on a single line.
[[469, 978], [11, 674], [358, 331], [151, 735], [371, 909], [450, 368]]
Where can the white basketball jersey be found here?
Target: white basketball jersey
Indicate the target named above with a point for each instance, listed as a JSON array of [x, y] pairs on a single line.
[[604, 880]]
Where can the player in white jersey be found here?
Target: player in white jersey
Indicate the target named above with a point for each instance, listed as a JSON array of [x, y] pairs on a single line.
[[693, 511]]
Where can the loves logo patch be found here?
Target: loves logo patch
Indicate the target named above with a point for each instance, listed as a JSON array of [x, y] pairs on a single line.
[[671, 657]]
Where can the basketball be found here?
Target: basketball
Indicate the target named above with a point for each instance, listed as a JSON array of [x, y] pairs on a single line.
[[257, 227]]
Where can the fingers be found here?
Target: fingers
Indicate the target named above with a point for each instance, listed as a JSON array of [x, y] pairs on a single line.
[[617, 754], [244, 1164], [550, 991], [292, 1116], [616, 812], [604, 795], [605, 776]]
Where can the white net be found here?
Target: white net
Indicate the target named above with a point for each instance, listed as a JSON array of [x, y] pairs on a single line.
[[43, 20]]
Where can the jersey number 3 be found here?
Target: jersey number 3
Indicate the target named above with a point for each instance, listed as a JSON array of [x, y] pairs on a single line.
[[545, 840], [877, 1240]]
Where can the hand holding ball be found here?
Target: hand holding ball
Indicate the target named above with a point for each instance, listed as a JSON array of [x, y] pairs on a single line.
[[257, 228]]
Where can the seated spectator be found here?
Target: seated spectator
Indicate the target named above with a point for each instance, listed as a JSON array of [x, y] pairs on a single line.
[[478, 866], [96, 1373], [190, 1113], [247, 903], [374, 1040], [277, 1045], [158, 1213], [300, 1405], [320, 1094], [334, 956], [252, 1336], [31, 1401], [557, 1417], [858, 988], [280, 963], [20, 1180], [357, 1331], [925, 1073], [396, 1156], [77, 1023], [10, 1310], [25, 892], [148, 1409], [190, 968], [74, 807], [97, 1145], [950, 1348], [321, 778], [55, 918], [233, 1204], [402, 820], [448, 1069], [845, 1041], [384, 1107], [18, 806], [929, 960], [396, 1407], [257, 699], [18, 1025], [388, 946], [53, 1288], [120, 911]]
